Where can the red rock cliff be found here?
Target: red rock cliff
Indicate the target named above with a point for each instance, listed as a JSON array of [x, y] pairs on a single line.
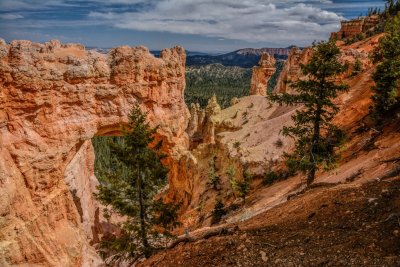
[[356, 26], [261, 75], [53, 99], [292, 71]]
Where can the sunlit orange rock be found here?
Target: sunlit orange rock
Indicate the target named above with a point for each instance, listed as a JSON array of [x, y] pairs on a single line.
[[53, 99]]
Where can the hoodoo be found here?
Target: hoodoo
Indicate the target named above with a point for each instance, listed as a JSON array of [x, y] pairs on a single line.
[[261, 75]]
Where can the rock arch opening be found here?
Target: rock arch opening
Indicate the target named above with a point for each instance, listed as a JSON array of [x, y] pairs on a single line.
[[54, 98]]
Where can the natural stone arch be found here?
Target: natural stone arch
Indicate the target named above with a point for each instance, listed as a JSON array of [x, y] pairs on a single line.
[[54, 98]]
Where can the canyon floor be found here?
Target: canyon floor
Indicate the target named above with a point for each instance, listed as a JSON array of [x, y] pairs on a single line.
[[328, 225]]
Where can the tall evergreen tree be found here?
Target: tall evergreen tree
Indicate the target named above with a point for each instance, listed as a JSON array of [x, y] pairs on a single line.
[[315, 135], [387, 74], [130, 189], [392, 7]]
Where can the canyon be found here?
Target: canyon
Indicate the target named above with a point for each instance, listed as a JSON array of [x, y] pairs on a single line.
[[55, 97], [348, 217]]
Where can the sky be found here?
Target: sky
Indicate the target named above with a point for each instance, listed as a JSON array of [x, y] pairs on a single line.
[[197, 25]]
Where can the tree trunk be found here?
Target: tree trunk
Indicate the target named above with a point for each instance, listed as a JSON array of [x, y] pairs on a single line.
[[315, 139], [143, 230]]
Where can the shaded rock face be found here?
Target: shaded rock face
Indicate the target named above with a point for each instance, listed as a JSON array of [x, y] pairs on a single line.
[[261, 75], [355, 26], [53, 99], [202, 125], [292, 71]]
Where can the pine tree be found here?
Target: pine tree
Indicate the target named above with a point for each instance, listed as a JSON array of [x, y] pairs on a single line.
[[243, 186], [357, 67], [218, 212], [130, 189], [315, 135], [214, 178], [387, 74]]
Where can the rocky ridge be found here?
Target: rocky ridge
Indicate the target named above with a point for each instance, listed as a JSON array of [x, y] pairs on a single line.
[[53, 99], [355, 26]]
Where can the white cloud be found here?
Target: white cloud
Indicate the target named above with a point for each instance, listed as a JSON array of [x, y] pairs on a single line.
[[287, 21], [10, 16]]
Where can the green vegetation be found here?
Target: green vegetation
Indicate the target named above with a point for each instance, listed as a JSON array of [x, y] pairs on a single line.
[[218, 212], [274, 78], [315, 135], [357, 67], [104, 162], [355, 38], [387, 74], [130, 186], [236, 144], [270, 177], [226, 82], [392, 7], [202, 82], [243, 186], [214, 178]]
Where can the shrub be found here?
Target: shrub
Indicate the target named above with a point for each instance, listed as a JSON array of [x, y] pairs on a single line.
[[218, 212], [270, 177], [278, 143], [236, 144], [357, 67]]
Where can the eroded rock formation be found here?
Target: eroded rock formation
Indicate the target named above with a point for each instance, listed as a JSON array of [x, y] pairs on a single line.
[[53, 99], [292, 71], [262, 74], [356, 26], [202, 122]]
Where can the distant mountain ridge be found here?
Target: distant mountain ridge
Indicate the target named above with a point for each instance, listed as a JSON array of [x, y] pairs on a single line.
[[272, 51], [245, 58]]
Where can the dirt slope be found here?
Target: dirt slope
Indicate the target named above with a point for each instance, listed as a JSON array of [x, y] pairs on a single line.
[[327, 226], [350, 218]]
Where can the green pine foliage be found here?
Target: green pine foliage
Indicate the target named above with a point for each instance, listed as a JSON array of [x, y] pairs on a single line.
[[130, 187], [104, 162], [214, 178], [274, 78], [270, 177], [387, 74], [226, 82], [218, 212], [202, 82], [357, 67], [315, 135], [392, 7], [243, 186]]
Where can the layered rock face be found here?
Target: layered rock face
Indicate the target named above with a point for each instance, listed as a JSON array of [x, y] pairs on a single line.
[[202, 123], [53, 99], [262, 74], [355, 26], [292, 71]]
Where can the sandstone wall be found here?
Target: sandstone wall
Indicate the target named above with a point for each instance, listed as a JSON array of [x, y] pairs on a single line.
[[261, 75], [356, 26], [53, 99], [292, 71]]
